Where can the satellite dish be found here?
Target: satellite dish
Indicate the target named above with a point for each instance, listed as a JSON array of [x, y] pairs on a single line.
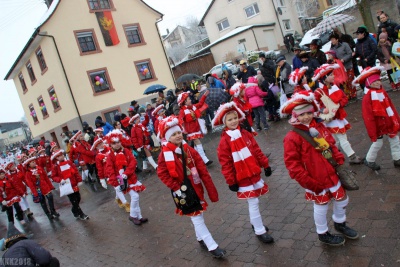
[[279, 11]]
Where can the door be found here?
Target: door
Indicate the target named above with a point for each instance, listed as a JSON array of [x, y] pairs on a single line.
[[270, 39], [54, 138]]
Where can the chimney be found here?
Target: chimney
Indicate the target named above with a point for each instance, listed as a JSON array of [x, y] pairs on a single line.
[[167, 31], [48, 3]]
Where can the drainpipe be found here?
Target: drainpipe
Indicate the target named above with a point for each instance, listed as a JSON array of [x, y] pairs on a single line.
[[165, 52], [65, 74], [277, 18], [258, 48]]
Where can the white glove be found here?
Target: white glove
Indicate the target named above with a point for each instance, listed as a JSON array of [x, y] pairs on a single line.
[[124, 176], [4, 203], [80, 183], [103, 183], [178, 193], [139, 149]]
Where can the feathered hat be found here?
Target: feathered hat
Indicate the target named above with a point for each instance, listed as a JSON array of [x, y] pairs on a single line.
[[236, 89], [182, 98], [324, 70], [26, 162], [96, 143], [53, 145], [31, 151], [168, 126], [300, 100], [40, 149], [114, 136], [132, 120], [219, 117], [99, 130], [56, 154], [75, 136], [158, 110], [8, 165], [368, 72], [297, 75]]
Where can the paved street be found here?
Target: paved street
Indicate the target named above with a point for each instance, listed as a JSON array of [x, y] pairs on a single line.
[[109, 239]]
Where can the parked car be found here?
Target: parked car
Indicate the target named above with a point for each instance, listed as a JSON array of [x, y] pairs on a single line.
[[217, 69], [308, 37]]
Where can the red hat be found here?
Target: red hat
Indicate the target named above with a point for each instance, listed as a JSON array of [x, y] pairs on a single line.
[[324, 70], [158, 110], [182, 98], [56, 154], [168, 126], [73, 138], [31, 151], [297, 75], [99, 130], [132, 120], [125, 121], [131, 109], [53, 145], [300, 99], [96, 143], [236, 89], [114, 136], [40, 149], [26, 162], [8, 165], [219, 117], [372, 74], [19, 157]]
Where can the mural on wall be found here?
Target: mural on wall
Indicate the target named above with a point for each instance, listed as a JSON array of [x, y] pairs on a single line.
[[107, 27]]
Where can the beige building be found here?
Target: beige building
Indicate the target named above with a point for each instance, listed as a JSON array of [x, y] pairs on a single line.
[[235, 26], [88, 58], [179, 36]]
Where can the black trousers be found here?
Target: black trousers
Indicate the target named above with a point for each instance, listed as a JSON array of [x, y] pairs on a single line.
[[50, 200], [75, 199], [10, 212]]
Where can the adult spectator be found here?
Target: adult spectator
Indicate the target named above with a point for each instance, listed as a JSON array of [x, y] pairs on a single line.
[[175, 106], [149, 110], [346, 38], [135, 106], [215, 98], [389, 25], [254, 94], [365, 48], [284, 71], [42, 141], [105, 125], [267, 68], [297, 63], [245, 71], [311, 63], [228, 77], [316, 51], [378, 15], [63, 138], [213, 82], [384, 54]]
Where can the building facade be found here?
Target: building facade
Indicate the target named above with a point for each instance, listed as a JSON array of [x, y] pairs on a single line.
[[234, 26], [75, 68]]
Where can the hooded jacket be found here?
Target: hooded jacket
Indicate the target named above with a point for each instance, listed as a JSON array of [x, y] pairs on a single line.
[[254, 94]]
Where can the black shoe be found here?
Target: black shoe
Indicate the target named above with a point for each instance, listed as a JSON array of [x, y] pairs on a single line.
[[372, 165], [209, 163], [332, 240], [346, 231], [50, 216], [138, 170], [55, 214], [265, 238], [266, 228], [218, 253], [83, 216], [202, 244]]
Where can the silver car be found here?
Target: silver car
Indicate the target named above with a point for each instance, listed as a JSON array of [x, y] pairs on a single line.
[[217, 69]]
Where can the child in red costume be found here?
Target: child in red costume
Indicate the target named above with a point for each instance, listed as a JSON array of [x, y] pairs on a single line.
[[298, 79], [337, 125], [43, 160], [312, 170], [171, 173], [120, 169], [17, 178], [140, 137], [10, 197], [380, 117], [41, 187], [241, 161], [85, 155], [159, 114], [188, 118]]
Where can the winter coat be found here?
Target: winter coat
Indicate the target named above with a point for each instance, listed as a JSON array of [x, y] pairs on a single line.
[[390, 28], [381, 56], [139, 137], [286, 69], [11, 191], [297, 63], [44, 182], [254, 94], [319, 55], [44, 162], [101, 159], [190, 123], [30, 252], [366, 49], [312, 65], [195, 161], [112, 172], [83, 149], [307, 165], [17, 178], [244, 76], [344, 52], [229, 80], [268, 70], [227, 163], [69, 171], [377, 126]]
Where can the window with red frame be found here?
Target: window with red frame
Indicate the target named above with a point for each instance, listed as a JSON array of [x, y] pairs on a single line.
[[40, 58], [30, 72], [54, 99], [22, 81], [42, 107], [144, 71], [33, 114]]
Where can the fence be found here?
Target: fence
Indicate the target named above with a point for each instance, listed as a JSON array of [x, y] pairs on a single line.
[[198, 65]]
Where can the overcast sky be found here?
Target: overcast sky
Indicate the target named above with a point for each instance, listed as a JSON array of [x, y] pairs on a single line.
[[19, 18]]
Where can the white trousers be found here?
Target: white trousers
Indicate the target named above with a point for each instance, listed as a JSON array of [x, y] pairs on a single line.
[[255, 216], [24, 204], [135, 208], [199, 148], [376, 147], [202, 232], [119, 195], [344, 144], [338, 216]]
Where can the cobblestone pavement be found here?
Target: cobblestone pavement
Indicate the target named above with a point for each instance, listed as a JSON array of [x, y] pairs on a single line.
[[109, 239]]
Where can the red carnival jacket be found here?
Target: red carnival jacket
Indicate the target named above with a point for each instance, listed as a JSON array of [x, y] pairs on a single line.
[[188, 116], [227, 165], [101, 159], [140, 136], [44, 182], [111, 170], [12, 193], [337, 96], [82, 148], [307, 165], [64, 170], [17, 178]]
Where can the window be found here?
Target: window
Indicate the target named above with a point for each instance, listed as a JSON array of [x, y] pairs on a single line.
[[22, 81], [42, 107], [281, 2], [100, 81], [30, 72], [222, 25], [54, 99], [109, 114], [33, 114], [145, 71], [96, 5], [286, 24], [40, 58], [133, 34], [87, 42], [252, 10]]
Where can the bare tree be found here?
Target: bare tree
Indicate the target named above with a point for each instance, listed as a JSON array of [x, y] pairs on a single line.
[[364, 6]]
